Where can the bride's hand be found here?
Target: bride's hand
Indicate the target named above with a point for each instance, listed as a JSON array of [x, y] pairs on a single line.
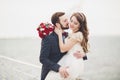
[[58, 31]]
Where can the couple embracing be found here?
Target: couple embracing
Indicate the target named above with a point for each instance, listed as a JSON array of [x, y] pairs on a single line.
[[62, 54]]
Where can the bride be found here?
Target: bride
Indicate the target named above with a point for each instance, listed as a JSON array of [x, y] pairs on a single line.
[[76, 41]]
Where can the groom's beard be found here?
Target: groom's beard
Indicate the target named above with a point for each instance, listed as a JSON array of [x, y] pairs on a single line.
[[63, 27]]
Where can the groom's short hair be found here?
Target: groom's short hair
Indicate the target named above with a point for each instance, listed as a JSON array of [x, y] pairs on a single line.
[[55, 17]]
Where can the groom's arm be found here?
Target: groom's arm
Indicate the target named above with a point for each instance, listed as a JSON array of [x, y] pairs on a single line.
[[44, 55]]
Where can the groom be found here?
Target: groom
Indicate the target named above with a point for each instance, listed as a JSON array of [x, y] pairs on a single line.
[[50, 53]]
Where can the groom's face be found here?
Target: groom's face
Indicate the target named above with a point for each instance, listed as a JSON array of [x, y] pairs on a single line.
[[64, 22]]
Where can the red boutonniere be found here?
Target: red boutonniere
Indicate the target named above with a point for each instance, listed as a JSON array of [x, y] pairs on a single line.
[[45, 29]]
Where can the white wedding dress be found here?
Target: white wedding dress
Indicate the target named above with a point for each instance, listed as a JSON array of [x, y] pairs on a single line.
[[76, 66]]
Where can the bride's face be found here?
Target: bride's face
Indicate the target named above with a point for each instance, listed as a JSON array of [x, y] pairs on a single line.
[[74, 25]]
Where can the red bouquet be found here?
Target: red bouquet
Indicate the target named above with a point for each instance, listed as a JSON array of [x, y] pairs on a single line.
[[45, 29]]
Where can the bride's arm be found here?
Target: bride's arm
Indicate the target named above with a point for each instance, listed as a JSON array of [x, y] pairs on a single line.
[[67, 45]]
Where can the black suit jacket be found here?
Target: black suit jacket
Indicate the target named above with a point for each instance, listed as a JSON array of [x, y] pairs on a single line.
[[50, 54]]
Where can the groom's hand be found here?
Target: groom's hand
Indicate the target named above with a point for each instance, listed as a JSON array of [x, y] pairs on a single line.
[[79, 54], [63, 72]]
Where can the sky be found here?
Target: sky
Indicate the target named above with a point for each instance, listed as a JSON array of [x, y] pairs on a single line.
[[20, 18]]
